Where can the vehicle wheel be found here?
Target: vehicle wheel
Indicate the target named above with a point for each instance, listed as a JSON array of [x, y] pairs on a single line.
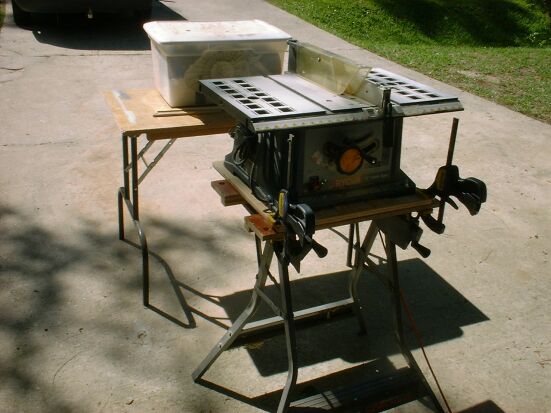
[[21, 17]]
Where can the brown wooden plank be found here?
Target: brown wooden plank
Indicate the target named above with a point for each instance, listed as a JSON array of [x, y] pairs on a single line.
[[340, 214], [373, 209], [262, 228], [228, 195], [244, 191], [134, 111]]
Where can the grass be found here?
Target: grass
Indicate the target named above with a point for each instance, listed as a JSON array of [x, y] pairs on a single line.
[[2, 12], [497, 49]]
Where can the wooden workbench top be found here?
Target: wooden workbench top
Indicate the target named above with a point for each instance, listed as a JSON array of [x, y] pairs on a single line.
[[135, 113]]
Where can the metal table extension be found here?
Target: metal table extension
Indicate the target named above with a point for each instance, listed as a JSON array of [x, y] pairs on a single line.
[[142, 113]]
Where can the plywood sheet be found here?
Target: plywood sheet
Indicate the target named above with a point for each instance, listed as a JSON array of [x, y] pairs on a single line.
[[134, 111]]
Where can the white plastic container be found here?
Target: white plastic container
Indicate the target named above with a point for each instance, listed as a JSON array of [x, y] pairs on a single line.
[[184, 52]]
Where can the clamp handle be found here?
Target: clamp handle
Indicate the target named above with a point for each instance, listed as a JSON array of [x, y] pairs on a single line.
[[471, 192], [301, 219], [300, 222], [433, 224], [421, 249]]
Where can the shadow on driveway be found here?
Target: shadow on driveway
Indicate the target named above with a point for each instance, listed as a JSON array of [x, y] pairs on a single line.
[[104, 32], [64, 300]]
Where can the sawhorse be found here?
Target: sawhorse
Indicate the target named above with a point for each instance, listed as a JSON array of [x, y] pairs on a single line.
[[410, 384]]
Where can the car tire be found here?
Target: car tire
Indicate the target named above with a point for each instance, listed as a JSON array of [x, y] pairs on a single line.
[[21, 17]]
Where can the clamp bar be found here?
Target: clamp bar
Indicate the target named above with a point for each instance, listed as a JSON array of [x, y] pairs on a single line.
[[449, 160]]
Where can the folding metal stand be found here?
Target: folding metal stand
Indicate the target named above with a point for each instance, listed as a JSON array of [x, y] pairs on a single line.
[[131, 181], [134, 112], [411, 384]]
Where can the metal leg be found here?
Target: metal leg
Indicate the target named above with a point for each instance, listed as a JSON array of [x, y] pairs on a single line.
[[258, 247], [290, 334], [132, 180], [134, 174], [350, 245], [398, 324], [126, 178], [286, 313], [358, 268], [370, 237], [226, 341], [145, 263], [120, 195], [123, 192], [136, 218], [354, 277]]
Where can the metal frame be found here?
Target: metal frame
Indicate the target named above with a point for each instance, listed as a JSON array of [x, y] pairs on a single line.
[[129, 195], [286, 316], [390, 248]]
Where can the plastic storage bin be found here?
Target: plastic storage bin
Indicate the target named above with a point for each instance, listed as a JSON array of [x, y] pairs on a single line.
[[185, 52]]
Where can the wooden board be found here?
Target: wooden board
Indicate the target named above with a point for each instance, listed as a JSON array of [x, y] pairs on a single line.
[[374, 209], [336, 216], [228, 194], [259, 206], [134, 111], [262, 228]]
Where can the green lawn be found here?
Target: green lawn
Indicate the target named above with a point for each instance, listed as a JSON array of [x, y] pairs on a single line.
[[497, 49], [2, 12]]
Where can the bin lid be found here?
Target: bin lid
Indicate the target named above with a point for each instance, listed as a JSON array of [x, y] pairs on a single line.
[[170, 32]]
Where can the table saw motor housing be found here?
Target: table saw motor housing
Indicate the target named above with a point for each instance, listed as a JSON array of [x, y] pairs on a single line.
[[325, 165]]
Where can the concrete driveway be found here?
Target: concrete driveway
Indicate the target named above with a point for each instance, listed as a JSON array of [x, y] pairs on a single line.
[[74, 336]]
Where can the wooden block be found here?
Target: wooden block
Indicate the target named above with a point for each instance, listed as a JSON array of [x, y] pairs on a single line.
[[259, 206], [263, 228], [228, 195]]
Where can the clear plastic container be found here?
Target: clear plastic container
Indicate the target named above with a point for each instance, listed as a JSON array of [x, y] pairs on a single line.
[[185, 52]]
